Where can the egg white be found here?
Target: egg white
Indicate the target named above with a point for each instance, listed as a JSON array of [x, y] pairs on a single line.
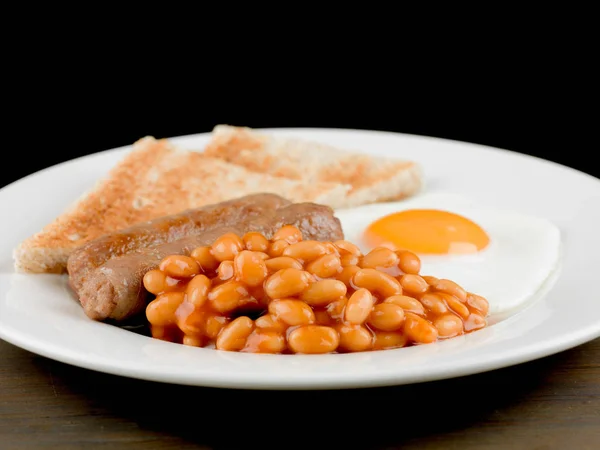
[[524, 251]]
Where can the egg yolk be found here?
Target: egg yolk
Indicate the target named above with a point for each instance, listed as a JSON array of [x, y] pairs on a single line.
[[428, 231]]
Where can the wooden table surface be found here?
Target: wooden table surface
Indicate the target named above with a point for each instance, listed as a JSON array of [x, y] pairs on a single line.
[[550, 403]]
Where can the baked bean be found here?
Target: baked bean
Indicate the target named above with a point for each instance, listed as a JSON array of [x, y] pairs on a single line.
[[323, 292], [277, 248], [450, 287], [205, 259], [386, 317], [313, 339], [478, 304], [292, 312], [155, 281], [408, 304], [474, 322], [193, 341], [255, 242], [456, 306], [434, 303], [288, 233], [305, 251], [193, 324], [347, 247], [169, 333], [448, 325], [250, 268], [174, 284], [270, 322], [349, 259], [322, 317], [197, 290], [157, 331], [189, 320], [388, 339], [258, 292], [431, 281], [228, 296], [227, 246], [326, 266], [161, 310], [413, 284], [286, 283], [359, 307], [418, 330], [282, 262], [345, 276], [331, 249], [314, 297], [213, 325], [379, 258], [354, 338], [225, 271], [179, 266], [233, 335], [336, 309], [379, 283], [408, 262], [265, 341]]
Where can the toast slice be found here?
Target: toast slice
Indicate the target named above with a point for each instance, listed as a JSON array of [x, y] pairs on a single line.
[[155, 179], [373, 179]]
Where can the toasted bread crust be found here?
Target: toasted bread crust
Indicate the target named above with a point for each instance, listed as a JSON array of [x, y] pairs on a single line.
[[155, 179], [372, 179], [109, 205]]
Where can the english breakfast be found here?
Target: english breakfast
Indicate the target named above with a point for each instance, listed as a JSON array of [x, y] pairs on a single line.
[[264, 244]]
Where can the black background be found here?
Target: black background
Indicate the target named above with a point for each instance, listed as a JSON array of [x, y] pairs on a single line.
[[536, 95], [73, 125]]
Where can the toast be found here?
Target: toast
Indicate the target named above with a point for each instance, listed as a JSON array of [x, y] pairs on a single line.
[[155, 179], [373, 179]]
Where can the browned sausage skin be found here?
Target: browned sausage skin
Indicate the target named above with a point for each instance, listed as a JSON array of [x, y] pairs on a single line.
[[166, 229], [114, 290]]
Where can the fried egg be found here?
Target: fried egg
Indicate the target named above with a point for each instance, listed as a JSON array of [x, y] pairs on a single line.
[[504, 256]]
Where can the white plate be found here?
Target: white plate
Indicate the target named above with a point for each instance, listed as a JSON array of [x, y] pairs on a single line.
[[38, 313]]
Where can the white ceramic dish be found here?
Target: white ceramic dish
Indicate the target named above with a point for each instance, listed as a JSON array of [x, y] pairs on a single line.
[[39, 314]]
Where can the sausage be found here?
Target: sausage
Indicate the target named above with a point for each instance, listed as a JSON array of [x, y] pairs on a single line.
[[166, 229], [115, 289]]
